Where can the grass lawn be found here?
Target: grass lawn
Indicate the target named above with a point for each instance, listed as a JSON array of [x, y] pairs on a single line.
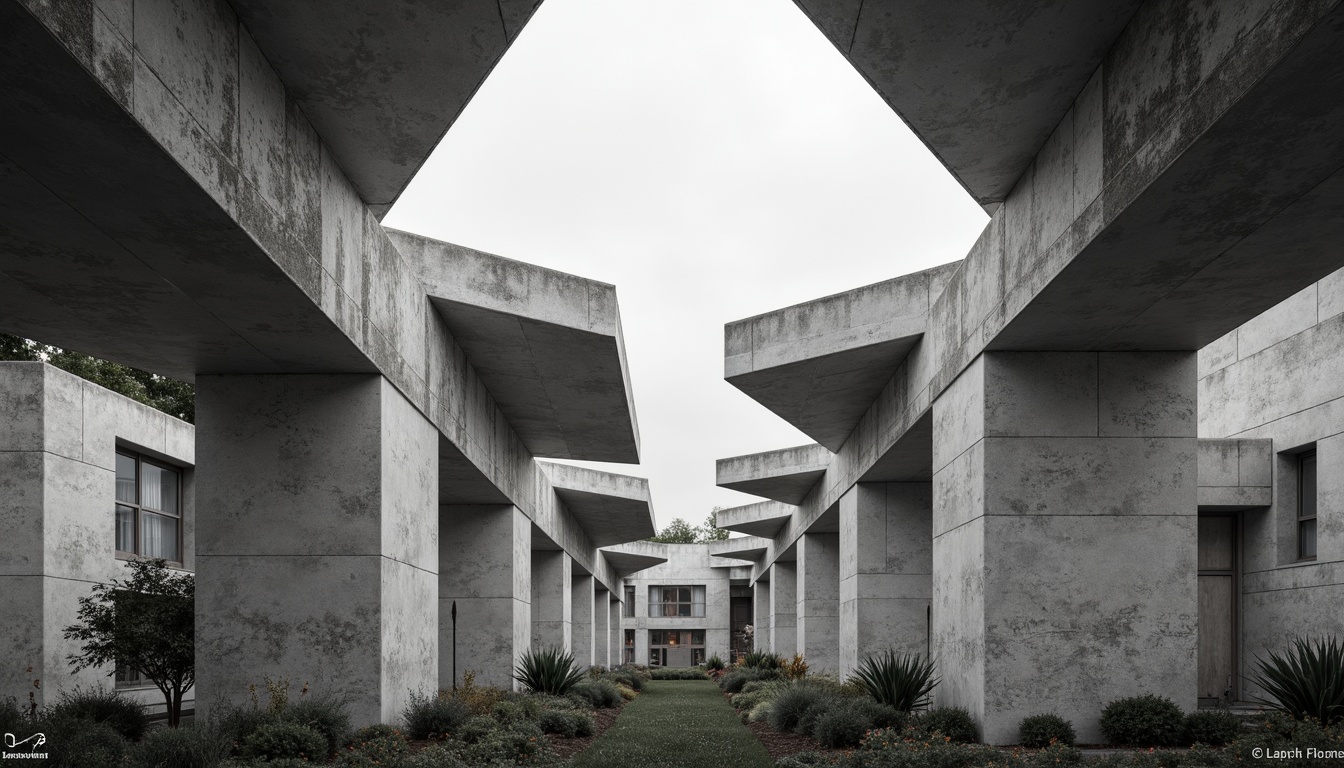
[[676, 724]]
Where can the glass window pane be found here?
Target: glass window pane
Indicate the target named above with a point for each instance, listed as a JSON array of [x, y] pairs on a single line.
[[683, 609], [1307, 485], [125, 478], [125, 529], [158, 488], [684, 595], [1306, 543], [697, 637], [160, 536]]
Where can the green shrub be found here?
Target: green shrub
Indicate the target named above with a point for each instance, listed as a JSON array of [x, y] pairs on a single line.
[[678, 673], [119, 712], [1142, 721], [550, 670], [80, 743], [373, 746], [434, 716], [438, 756], [716, 663], [845, 725], [599, 693], [792, 708], [754, 693], [325, 714], [733, 681], [13, 718], [953, 722], [761, 660], [480, 727], [1041, 730], [1305, 681], [280, 740], [375, 731], [566, 723], [898, 680], [627, 677], [191, 745], [1212, 728], [516, 743], [237, 723]]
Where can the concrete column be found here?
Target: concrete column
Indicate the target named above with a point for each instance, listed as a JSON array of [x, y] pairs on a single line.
[[819, 600], [1064, 524], [784, 608], [616, 646], [552, 606], [318, 553], [886, 567], [485, 566], [601, 627], [582, 619], [760, 614]]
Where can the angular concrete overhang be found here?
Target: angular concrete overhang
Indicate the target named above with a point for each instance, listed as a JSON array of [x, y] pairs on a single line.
[[760, 520], [611, 508], [982, 83], [547, 345], [819, 365], [786, 475], [909, 459], [1235, 475], [751, 548], [634, 556], [382, 80]]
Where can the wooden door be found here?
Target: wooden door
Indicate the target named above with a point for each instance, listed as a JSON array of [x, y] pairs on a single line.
[[1217, 606]]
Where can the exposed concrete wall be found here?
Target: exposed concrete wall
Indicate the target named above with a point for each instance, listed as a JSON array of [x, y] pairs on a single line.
[[583, 624], [886, 570], [552, 599], [602, 628], [784, 608], [818, 595], [687, 565], [320, 558], [1280, 378], [58, 441], [760, 608], [485, 566], [615, 646], [1235, 474], [1064, 524]]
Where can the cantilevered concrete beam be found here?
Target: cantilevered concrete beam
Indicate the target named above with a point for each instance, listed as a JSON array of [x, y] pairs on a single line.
[[548, 346], [983, 84], [785, 475], [610, 508], [751, 548], [818, 365], [763, 519], [634, 556], [381, 80]]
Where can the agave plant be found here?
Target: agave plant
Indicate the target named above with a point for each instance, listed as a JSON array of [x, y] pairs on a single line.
[[1305, 681], [757, 659], [549, 670], [900, 680]]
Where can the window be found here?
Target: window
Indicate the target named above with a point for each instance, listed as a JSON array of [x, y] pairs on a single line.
[[1306, 506], [148, 508], [628, 605], [676, 602], [676, 647], [629, 653], [129, 678]]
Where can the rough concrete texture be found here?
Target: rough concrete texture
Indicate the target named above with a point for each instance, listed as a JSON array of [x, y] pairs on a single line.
[[752, 548], [547, 344], [786, 475], [760, 614], [886, 570], [583, 622], [320, 559], [1064, 510], [601, 628], [485, 566], [763, 519], [1235, 475], [610, 508], [552, 599], [58, 442], [818, 598], [615, 647], [685, 565], [784, 607]]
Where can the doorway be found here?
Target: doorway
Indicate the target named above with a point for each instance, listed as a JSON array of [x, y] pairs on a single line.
[[1218, 588]]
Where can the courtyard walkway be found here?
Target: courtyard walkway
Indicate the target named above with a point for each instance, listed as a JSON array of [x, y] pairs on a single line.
[[676, 724]]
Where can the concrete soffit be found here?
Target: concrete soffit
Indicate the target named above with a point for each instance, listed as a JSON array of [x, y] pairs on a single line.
[[763, 520], [750, 548], [634, 556], [785, 475], [610, 508], [547, 345]]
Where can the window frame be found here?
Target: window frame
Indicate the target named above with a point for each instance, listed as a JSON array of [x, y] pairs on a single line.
[[660, 640], [1302, 520], [628, 604], [658, 609], [139, 508]]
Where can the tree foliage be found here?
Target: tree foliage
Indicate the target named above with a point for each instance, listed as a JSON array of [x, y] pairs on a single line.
[[711, 531], [173, 397], [146, 623], [681, 532]]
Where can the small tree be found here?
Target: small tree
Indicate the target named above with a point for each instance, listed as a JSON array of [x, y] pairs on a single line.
[[677, 532], [711, 531], [146, 624]]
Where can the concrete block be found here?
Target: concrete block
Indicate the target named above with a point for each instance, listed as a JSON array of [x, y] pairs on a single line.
[[818, 596], [959, 415], [77, 519], [485, 567], [22, 506], [784, 608], [552, 607], [263, 113], [1047, 394], [583, 620], [1288, 318], [1218, 462], [1147, 394], [1218, 355], [22, 400]]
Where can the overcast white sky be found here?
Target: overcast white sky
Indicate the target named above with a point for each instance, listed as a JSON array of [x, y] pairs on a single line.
[[714, 159]]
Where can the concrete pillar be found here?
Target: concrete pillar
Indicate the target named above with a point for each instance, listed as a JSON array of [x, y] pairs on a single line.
[[616, 644], [552, 606], [318, 554], [760, 610], [784, 608], [601, 627], [1064, 524], [886, 567], [819, 600], [582, 619], [485, 566]]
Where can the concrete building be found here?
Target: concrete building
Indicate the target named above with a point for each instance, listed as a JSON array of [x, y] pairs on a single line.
[[1009, 471], [694, 604], [194, 189]]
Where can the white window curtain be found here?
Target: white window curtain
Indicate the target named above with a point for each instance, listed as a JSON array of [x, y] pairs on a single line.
[[160, 534], [698, 602]]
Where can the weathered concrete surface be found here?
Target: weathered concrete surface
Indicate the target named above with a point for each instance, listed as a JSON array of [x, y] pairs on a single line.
[[786, 475], [623, 561], [319, 560], [614, 638], [58, 441], [548, 345], [552, 599], [763, 519], [382, 81], [485, 567], [886, 570], [601, 628], [784, 607], [818, 365], [1064, 524], [760, 609], [982, 84], [740, 548], [818, 595], [1235, 475], [582, 620], [691, 565], [610, 508]]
